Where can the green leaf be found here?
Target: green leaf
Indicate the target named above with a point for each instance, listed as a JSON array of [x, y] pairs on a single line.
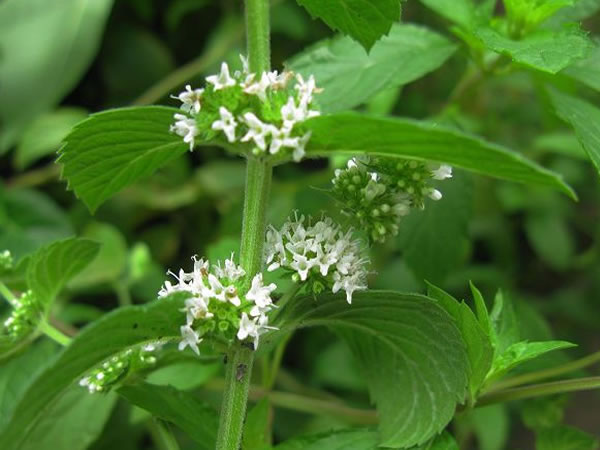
[[28, 220], [399, 340], [483, 316], [364, 20], [505, 326], [530, 13], [582, 9], [46, 48], [479, 346], [358, 439], [18, 373], [587, 70], [44, 136], [551, 238], [521, 352], [73, 422], [585, 120], [110, 262], [350, 76], [256, 427], [51, 267], [565, 438], [491, 426], [197, 419], [458, 11], [544, 412], [351, 134], [431, 251], [115, 148], [545, 50], [117, 330]]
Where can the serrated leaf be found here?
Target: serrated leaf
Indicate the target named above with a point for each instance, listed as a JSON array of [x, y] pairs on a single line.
[[585, 120], [479, 346], [350, 77], [114, 148], [51, 267], [44, 136], [36, 73], [545, 50], [351, 134], [399, 340], [483, 316], [564, 437], [521, 352], [431, 251], [353, 439], [117, 330], [196, 418], [364, 20]]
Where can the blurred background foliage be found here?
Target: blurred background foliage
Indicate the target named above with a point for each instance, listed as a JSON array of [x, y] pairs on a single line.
[[62, 60]]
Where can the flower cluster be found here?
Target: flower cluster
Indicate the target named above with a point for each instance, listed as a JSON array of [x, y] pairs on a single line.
[[110, 372], [219, 306], [6, 260], [24, 317], [379, 193], [321, 253], [262, 113]]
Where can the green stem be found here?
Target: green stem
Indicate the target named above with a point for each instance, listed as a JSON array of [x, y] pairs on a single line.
[[240, 358], [235, 396], [547, 373], [7, 293], [54, 334], [539, 390], [162, 435]]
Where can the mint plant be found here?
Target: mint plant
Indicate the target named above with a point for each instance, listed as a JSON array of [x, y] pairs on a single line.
[[356, 223]]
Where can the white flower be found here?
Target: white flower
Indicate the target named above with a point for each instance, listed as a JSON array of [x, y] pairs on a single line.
[[306, 89], [259, 88], [222, 80], [260, 294], [227, 124], [189, 338], [299, 150], [280, 81], [196, 308], [232, 270], [190, 99], [257, 130], [217, 289], [248, 329], [434, 194], [442, 172], [186, 128]]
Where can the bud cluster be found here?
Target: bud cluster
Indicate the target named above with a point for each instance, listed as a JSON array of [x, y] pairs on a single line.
[[115, 369], [24, 317], [219, 306], [262, 113], [379, 193], [320, 253]]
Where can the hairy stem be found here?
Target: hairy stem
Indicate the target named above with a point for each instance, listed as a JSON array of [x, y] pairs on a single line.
[[240, 358], [539, 390], [539, 375]]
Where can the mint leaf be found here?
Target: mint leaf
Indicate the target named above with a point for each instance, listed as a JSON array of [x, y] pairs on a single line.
[[585, 120], [44, 136], [353, 439], [587, 70], [73, 422], [483, 316], [350, 134], [364, 20], [521, 352], [431, 251], [197, 419], [350, 76], [545, 50], [115, 148], [564, 437], [458, 11], [51, 267], [114, 332], [36, 74], [399, 340], [255, 435], [505, 327], [479, 346]]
